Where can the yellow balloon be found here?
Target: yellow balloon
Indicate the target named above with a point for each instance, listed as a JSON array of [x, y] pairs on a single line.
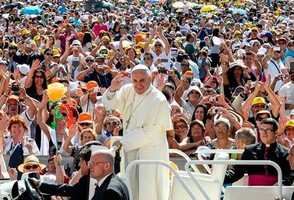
[[56, 91]]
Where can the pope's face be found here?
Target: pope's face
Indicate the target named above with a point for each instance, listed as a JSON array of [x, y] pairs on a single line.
[[141, 81]]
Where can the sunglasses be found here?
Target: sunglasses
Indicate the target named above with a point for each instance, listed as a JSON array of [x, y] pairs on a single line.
[[291, 73], [85, 124], [64, 114], [89, 60], [277, 51], [282, 43], [112, 123], [39, 77], [28, 167], [49, 54], [158, 45]]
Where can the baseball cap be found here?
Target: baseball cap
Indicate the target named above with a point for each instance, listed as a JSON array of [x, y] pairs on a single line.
[[76, 43], [13, 97], [91, 84], [223, 120], [23, 69], [289, 123], [258, 100], [85, 117]]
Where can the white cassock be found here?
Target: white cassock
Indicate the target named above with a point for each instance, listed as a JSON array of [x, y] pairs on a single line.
[[146, 118]]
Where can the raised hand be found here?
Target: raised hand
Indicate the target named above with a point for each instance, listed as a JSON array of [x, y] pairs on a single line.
[[116, 82]]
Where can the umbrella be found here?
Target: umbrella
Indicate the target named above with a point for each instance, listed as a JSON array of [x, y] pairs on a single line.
[[125, 43], [190, 5], [239, 10], [178, 4], [46, 4], [13, 5], [103, 4], [208, 8], [31, 10]]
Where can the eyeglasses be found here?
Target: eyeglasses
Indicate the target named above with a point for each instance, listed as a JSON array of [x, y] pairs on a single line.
[[267, 131], [49, 54], [147, 58], [92, 163], [157, 45], [282, 43], [89, 60], [180, 126], [100, 60], [112, 123], [85, 124], [28, 167]]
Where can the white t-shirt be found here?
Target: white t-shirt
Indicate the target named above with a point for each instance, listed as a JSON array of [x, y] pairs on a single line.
[[287, 91], [271, 69], [165, 58]]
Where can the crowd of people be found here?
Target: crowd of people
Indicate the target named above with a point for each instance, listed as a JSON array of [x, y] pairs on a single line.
[[159, 74]]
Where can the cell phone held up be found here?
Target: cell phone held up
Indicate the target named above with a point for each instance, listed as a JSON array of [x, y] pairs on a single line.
[[162, 70]]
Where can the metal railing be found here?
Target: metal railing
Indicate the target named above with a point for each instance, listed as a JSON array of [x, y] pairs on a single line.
[[234, 162], [158, 162], [201, 162]]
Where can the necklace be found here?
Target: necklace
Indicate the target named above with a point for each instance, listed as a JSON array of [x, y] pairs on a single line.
[[132, 111]]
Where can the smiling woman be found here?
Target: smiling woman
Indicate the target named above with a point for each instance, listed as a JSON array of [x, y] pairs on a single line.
[[16, 137]]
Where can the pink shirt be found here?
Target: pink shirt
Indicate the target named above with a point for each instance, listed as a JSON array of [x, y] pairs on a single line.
[[99, 27]]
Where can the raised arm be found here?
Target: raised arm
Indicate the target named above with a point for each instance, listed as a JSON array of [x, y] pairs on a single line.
[[247, 103], [273, 98], [71, 133], [34, 67]]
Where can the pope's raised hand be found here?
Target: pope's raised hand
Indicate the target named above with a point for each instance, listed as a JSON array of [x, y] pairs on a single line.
[[116, 82]]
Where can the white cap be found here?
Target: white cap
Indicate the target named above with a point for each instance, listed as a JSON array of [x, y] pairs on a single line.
[[261, 51], [24, 69], [140, 67], [223, 120], [76, 42]]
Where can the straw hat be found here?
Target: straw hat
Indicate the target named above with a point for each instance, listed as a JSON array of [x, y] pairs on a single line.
[[31, 160]]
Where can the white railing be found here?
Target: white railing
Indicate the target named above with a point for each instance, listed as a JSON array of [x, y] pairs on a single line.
[[158, 162], [234, 162], [201, 162]]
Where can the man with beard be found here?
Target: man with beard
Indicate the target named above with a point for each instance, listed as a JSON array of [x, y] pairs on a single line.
[[287, 92]]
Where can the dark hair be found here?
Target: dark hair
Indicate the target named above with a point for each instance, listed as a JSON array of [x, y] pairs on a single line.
[[85, 154], [87, 38], [272, 122], [46, 50], [148, 54], [44, 84], [193, 123], [205, 112]]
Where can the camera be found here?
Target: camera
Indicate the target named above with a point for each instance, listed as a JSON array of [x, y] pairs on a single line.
[[109, 112], [212, 99], [15, 89], [96, 90], [162, 70]]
